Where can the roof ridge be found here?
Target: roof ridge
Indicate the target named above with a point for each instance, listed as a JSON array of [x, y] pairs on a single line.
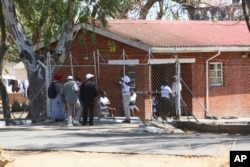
[[126, 21]]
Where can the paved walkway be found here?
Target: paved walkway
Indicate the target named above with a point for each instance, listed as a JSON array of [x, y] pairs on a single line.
[[116, 137]]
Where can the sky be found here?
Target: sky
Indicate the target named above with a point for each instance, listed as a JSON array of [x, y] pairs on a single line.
[[169, 6]]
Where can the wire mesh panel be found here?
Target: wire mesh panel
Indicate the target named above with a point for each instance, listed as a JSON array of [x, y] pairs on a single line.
[[77, 71], [217, 89], [229, 96], [109, 75], [146, 80], [163, 78], [178, 78]]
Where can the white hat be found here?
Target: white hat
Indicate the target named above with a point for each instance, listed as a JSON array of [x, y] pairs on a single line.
[[126, 79], [88, 76], [69, 77]]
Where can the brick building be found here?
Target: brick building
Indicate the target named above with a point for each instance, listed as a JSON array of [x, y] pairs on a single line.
[[210, 58]]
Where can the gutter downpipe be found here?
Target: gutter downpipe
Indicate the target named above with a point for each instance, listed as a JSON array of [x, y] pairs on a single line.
[[150, 81], [207, 83]]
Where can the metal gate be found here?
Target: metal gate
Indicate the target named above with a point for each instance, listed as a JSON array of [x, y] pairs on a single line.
[[147, 78], [168, 73]]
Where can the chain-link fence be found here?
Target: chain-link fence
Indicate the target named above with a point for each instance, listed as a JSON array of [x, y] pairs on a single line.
[[216, 90], [76, 70], [199, 96], [230, 98]]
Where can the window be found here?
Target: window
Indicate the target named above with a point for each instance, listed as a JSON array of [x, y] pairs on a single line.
[[236, 1], [216, 74], [131, 74]]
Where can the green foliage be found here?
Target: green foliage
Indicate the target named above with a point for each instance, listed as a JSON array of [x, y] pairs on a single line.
[[93, 37], [112, 46], [11, 55], [98, 10], [41, 19]]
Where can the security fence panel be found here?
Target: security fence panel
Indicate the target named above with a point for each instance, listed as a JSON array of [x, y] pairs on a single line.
[[228, 93], [175, 75], [205, 91], [109, 76], [163, 77]]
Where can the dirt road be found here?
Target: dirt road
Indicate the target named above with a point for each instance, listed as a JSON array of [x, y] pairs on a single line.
[[82, 159]]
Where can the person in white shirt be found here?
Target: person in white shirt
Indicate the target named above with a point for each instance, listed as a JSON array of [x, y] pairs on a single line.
[[166, 106], [134, 110], [104, 103], [125, 84], [176, 88]]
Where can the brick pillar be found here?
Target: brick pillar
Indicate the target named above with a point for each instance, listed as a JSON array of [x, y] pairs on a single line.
[[146, 113]]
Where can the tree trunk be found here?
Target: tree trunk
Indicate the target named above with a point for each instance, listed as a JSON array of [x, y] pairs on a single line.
[[246, 10], [3, 49], [35, 71], [36, 74], [5, 101]]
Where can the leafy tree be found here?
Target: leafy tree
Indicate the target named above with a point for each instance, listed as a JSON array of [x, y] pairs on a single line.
[[29, 21], [182, 9], [212, 10], [246, 9]]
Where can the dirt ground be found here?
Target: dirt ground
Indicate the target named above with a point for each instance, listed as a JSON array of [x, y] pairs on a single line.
[[82, 159]]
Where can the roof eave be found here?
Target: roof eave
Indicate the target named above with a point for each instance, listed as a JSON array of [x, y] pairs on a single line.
[[199, 49], [152, 49], [116, 37], [101, 32]]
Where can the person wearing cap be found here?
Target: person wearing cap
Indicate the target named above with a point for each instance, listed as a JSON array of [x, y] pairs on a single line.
[[125, 84], [57, 103], [69, 92], [88, 94]]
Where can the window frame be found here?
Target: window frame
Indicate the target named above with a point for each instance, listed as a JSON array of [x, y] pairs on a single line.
[[131, 74], [216, 77]]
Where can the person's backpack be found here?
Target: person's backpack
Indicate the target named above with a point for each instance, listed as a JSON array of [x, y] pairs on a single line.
[[52, 91], [16, 106]]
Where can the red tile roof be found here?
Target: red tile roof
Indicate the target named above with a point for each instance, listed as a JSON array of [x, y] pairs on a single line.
[[158, 33]]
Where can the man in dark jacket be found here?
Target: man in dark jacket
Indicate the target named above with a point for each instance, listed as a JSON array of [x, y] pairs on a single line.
[[88, 93]]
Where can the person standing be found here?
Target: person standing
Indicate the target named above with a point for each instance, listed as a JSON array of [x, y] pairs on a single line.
[[125, 84], [165, 102], [79, 102], [69, 92], [57, 103], [176, 93], [88, 93], [176, 88]]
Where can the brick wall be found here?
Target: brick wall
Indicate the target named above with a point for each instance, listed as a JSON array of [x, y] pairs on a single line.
[[193, 75]]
